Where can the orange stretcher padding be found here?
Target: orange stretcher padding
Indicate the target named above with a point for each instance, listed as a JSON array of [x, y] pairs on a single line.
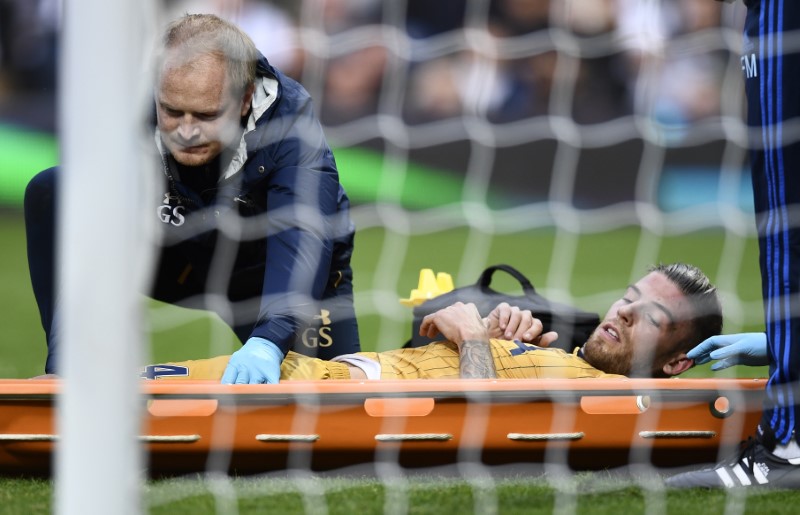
[[322, 425]]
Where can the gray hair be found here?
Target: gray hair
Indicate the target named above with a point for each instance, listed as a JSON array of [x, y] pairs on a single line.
[[206, 34]]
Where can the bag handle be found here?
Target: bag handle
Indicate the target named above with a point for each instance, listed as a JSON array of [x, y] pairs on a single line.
[[486, 278]]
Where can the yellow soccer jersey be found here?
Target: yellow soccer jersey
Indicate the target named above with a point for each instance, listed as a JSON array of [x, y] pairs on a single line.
[[440, 360], [513, 360], [293, 368]]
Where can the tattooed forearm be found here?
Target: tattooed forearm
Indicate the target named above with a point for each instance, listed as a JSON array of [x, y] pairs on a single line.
[[476, 360]]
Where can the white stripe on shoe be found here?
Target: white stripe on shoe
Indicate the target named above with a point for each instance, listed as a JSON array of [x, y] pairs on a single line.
[[725, 477], [741, 475], [759, 475]]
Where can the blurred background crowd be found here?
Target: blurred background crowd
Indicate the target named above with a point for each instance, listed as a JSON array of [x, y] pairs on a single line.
[[583, 59], [436, 82]]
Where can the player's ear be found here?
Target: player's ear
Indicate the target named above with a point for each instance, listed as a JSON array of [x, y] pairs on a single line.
[[678, 365]]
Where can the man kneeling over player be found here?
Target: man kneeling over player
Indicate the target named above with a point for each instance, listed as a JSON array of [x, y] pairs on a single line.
[[646, 333]]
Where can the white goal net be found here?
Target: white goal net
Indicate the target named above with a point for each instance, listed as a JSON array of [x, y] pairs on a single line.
[[579, 141]]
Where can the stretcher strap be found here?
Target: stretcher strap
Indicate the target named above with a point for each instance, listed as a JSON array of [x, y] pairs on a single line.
[[144, 438], [28, 438], [677, 434], [287, 438], [169, 438], [413, 437], [545, 436]]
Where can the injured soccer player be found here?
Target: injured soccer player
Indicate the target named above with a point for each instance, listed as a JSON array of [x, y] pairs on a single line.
[[646, 333]]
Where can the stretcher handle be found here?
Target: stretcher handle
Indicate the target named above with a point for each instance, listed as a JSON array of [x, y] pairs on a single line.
[[486, 278]]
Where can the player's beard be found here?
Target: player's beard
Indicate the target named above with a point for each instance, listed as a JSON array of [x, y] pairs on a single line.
[[601, 356], [623, 358]]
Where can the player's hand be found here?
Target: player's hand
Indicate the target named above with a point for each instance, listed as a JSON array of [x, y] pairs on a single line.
[[258, 361], [511, 323], [732, 349], [458, 323]]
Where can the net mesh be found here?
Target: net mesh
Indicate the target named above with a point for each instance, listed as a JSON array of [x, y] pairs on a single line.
[[585, 121], [564, 139], [579, 141]]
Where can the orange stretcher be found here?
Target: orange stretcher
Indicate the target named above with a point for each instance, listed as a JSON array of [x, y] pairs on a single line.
[[323, 425]]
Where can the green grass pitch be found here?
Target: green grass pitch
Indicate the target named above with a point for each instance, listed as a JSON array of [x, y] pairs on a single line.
[[602, 269]]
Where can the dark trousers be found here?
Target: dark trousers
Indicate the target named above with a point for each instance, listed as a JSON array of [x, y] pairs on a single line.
[[771, 65]]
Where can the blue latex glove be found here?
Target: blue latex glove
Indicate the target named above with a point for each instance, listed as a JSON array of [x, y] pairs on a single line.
[[732, 349], [258, 361]]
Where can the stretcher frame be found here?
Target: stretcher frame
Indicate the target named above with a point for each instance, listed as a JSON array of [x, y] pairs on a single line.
[[589, 424]]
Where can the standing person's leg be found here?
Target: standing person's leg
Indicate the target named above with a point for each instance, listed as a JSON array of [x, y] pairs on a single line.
[[774, 115], [771, 65], [40, 231]]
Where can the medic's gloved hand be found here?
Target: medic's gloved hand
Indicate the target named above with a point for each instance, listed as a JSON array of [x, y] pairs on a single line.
[[258, 361], [732, 349]]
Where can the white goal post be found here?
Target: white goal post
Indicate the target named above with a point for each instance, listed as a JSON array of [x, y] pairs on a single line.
[[103, 255]]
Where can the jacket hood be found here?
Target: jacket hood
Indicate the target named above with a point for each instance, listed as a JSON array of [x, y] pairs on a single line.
[[265, 94]]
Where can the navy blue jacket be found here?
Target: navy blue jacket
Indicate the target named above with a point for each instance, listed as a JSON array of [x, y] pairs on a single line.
[[273, 235], [292, 212]]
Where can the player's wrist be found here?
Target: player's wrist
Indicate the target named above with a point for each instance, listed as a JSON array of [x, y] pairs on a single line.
[[473, 338], [476, 332]]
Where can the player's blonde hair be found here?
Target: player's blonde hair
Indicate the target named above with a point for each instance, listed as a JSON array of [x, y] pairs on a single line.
[[207, 34]]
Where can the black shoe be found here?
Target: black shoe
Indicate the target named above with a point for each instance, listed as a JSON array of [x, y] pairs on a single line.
[[753, 466]]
